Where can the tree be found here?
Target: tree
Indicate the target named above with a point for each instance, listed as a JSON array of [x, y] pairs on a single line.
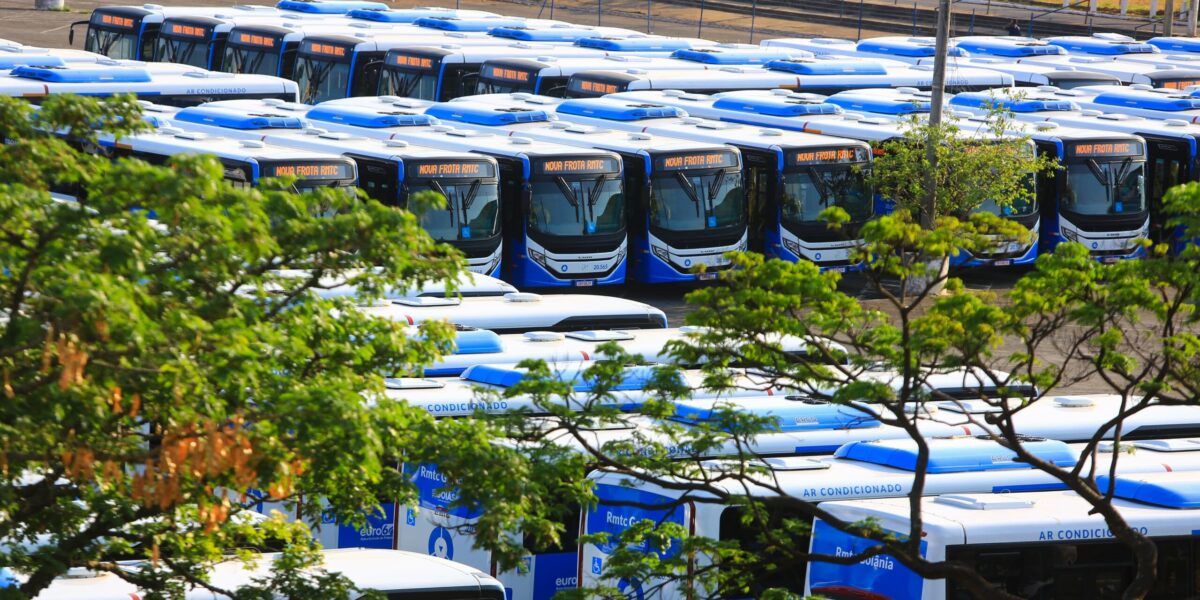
[[161, 377], [1130, 325]]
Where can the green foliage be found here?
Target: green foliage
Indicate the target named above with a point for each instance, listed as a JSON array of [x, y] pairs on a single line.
[[156, 371], [975, 164]]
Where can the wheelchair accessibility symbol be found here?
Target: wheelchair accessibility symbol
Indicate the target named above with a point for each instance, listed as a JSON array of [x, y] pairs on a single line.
[[440, 544]]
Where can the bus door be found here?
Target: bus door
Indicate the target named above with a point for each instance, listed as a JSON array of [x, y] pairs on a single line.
[[760, 172], [1168, 163]]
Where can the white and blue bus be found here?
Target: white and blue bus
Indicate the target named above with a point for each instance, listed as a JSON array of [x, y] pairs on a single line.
[[1097, 200], [1171, 147], [789, 177], [879, 116], [1029, 74], [1152, 74], [548, 75], [245, 162], [129, 32], [1139, 100], [452, 71], [388, 170], [562, 206], [858, 470], [148, 82], [396, 575], [1027, 543], [686, 205]]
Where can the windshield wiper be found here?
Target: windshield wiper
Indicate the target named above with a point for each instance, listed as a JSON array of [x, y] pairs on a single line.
[[594, 196], [437, 187], [820, 184], [317, 79], [690, 190]]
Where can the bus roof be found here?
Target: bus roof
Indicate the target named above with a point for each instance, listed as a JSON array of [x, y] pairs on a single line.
[[641, 43], [901, 101], [907, 47], [173, 140], [375, 112], [409, 15], [1006, 46], [162, 80], [473, 24], [1175, 44], [557, 34], [817, 46], [521, 312], [1105, 44], [552, 66], [328, 7], [738, 54]]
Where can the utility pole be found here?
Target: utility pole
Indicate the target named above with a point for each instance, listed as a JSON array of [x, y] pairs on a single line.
[[1192, 14], [1169, 19], [935, 111]]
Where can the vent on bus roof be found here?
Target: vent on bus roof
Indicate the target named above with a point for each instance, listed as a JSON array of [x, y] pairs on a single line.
[[543, 336], [956, 455], [492, 116], [366, 117], [600, 335], [477, 341], [983, 502], [412, 383], [1172, 490]]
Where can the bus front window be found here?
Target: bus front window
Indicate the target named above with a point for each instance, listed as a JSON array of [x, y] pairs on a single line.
[[472, 210], [321, 79], [577, 206], [1023, 207], [408, 84], [682, 201], [181, 51], [1105, 188], [249, 59], [110, 43], [810, 190]]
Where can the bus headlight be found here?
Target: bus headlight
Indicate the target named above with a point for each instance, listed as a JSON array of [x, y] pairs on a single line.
[[538, 258], [661, 253], [792, 247], [1069, 235]]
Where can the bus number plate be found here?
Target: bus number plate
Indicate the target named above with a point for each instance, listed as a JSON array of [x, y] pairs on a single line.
[[1003, 263], [584, 283], [706, 276]]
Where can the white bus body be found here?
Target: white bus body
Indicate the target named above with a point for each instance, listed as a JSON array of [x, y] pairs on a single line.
[[179, 88]]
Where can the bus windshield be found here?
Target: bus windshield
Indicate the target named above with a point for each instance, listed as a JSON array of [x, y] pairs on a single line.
[[322, 72], [251, 53], [1023, 207], [809, 190], [697, 200], [408, 84], [1105, 187], [472, 209], [184, 51], [577, 206], [111, 43]]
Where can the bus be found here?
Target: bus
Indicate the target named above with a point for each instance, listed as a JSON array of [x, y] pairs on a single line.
[[789, 177], [857, 471], [522, 312], [1102, 44], [409, 15], [200, 40], [452, 71], [548, 75], [246, 162], [388, 171], [1139, 100], [686, 205], [15, 55], [878, 116], [1029, 74], [1097, 200], [106, 78], [738, 54], [813, 75], [1155, 75], [1036, 544], [1171, 147], [129, 32], [395, 574], [650, 344], [563, 206]]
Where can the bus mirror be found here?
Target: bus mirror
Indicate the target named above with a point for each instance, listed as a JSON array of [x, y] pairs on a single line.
[[71, 32]]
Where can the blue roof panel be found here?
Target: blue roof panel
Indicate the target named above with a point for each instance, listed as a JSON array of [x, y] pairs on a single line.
[[328, 7], [776, 106], [1009, 48], [30, 60], [1175, 490], [826, 67], [402, 15], [733, 56], [1148, 100], [790, 415], [556, 34], [1175, 44], [638, 44], [360, 116], [235, 119], [491, 116], [872, 103], [617, 110], [956, 455], [468, 25], [898, 47], [1023, 105], [1100, 46], [84, 74], [477, 341]]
